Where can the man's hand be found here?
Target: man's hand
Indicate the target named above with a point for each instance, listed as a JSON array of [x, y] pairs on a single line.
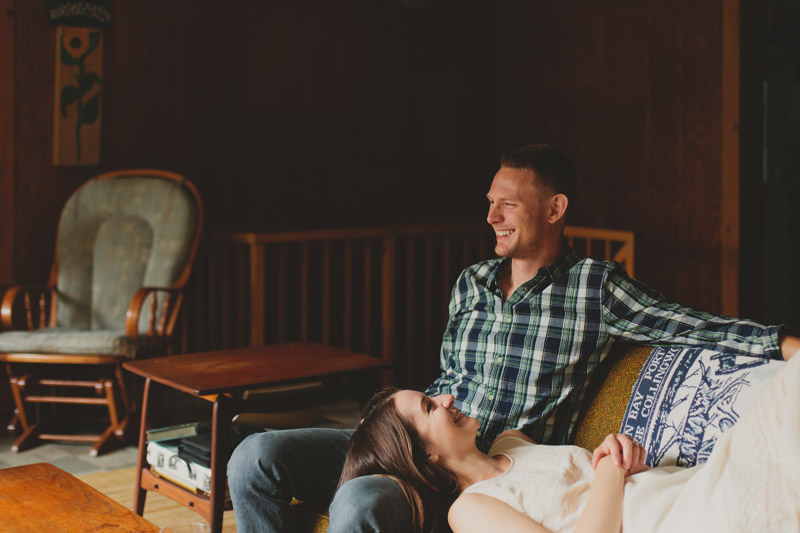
[[622, 451], [789, 346]]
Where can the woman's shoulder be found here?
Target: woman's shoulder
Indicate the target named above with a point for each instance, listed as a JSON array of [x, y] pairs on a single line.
[[470, 505], [466, 509], [480, 512]]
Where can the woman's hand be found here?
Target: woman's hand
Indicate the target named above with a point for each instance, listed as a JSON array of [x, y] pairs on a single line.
[[623, 451]]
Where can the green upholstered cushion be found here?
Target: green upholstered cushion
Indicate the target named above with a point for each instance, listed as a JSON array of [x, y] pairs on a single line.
[[608, 394], [116, 235], [72, 341], [122, 248]]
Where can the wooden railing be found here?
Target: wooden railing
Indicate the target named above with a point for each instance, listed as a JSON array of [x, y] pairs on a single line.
[[606, 244], [382, 291]]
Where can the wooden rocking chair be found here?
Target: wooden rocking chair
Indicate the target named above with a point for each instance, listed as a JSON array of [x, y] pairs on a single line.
[[125, 245]]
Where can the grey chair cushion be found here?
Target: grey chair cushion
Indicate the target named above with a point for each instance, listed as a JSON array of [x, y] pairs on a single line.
[[116, 235], [73, 341]]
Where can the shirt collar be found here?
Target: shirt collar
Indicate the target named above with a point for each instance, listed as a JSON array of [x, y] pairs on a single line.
[[542, 279]]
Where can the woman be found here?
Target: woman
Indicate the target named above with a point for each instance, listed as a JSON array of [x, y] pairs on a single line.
[[751, 481]]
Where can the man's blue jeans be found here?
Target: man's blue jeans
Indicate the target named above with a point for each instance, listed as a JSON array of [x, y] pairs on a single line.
[[267, 469]]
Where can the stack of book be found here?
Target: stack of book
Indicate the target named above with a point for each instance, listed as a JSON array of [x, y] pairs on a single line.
[[166, 460], [182, 453], [196, 449], [176, 432]]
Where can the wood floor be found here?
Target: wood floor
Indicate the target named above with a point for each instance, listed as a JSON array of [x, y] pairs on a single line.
[[119, 485], [114, 474]]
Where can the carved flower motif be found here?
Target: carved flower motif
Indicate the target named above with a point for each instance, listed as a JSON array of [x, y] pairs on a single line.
[[76, 41]]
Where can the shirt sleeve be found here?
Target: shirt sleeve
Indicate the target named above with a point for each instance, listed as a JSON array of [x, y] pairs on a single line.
[[442, 382], [634, 312]]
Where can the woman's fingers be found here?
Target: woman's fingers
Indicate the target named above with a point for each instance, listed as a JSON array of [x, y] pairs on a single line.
[[598, 454], [614, 449], [636, 456], [642, 455], [607, 447], [624, 451], [627, 450]]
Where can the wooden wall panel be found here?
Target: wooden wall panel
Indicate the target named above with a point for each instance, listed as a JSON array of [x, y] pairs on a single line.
[[6, 165], [731, 160], [286, 114], [6, 142], [312, 114], [633, 93], [40, 188]]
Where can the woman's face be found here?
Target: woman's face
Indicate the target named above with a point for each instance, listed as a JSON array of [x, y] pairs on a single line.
[[444, 429]]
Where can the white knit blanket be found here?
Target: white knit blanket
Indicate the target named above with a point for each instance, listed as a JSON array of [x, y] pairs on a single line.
[[751, 481]]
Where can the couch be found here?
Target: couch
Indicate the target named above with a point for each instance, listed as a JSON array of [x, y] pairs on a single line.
[[602, 414]]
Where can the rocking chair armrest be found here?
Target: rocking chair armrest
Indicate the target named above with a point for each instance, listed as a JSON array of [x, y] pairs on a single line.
[[11, 296], [162, 325]]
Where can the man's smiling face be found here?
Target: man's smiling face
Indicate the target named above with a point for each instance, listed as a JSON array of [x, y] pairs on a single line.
[[518, 210]]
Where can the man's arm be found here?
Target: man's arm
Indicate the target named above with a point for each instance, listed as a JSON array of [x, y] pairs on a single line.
[[634, 312], [789, 346]]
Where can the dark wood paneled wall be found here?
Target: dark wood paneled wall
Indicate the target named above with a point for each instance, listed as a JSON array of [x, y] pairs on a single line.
[[633, 91], [335, 113], [287, 114], [6, 145]]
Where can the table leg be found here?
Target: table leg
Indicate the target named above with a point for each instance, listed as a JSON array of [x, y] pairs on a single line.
[[220, 437], [141, 462]]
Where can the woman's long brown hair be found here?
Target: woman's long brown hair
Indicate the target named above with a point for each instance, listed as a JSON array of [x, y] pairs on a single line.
[[387, 444]]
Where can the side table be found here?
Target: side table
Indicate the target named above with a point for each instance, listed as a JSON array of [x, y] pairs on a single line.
[[225, 376]]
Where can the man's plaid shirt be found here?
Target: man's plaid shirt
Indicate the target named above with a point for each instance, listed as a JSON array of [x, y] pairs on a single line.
[[524, 363]]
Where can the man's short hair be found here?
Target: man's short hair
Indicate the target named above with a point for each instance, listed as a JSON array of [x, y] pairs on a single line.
[[550, 165]]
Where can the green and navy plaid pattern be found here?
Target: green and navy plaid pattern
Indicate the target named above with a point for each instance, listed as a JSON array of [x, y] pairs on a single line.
[[524, 363]]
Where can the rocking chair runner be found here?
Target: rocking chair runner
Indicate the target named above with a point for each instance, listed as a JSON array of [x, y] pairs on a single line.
[[125, 245]]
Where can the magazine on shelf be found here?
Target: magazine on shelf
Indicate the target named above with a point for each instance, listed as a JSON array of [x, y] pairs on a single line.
[[176, 432]]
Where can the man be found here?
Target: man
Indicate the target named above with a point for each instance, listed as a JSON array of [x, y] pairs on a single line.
[[524, 335]]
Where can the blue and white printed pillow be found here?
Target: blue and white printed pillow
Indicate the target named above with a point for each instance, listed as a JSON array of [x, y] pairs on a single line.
[[685, 398]]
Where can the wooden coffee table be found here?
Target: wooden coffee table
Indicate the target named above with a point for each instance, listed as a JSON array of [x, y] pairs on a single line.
[[229, 377], [42, 497]]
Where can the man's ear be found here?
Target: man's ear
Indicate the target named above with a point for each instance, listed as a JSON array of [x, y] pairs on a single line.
[[558, 207]]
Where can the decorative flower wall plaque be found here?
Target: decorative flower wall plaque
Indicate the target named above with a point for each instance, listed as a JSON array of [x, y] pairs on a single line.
[[78, 92]]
